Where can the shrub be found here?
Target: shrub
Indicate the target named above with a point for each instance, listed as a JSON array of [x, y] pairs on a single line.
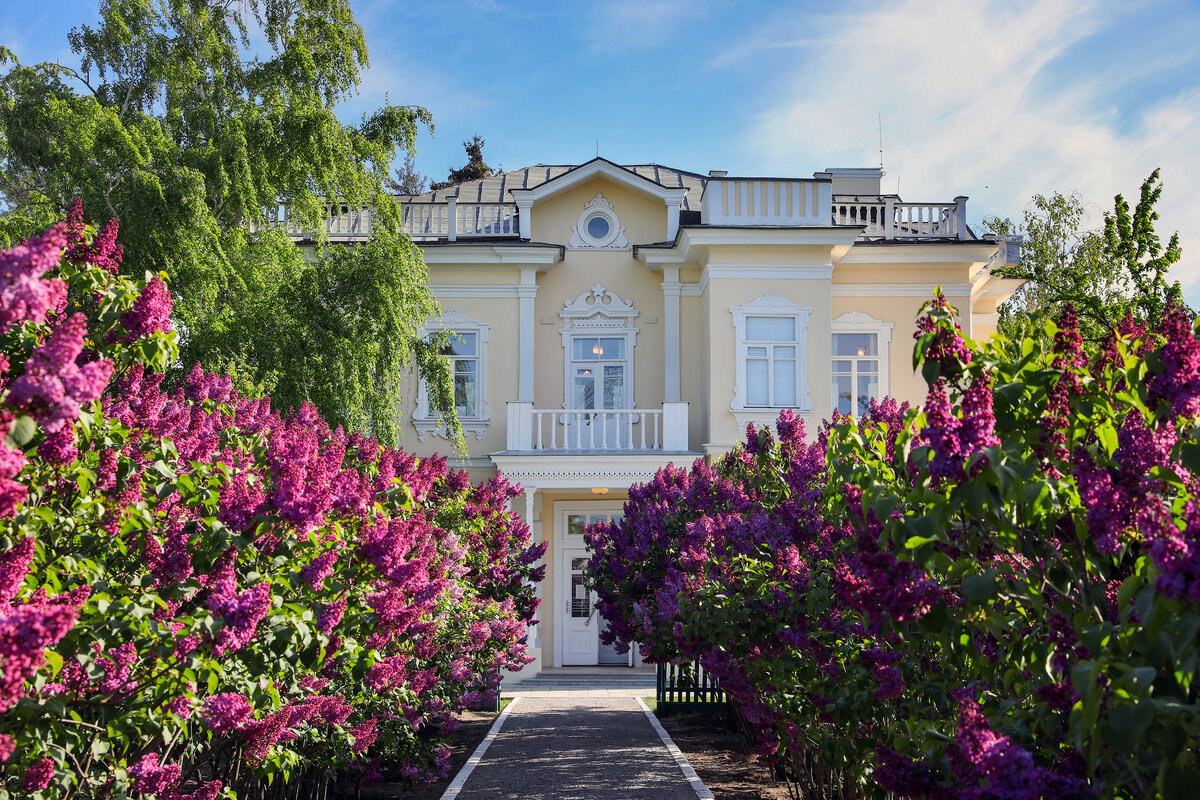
[[200, 595], [994, 596]]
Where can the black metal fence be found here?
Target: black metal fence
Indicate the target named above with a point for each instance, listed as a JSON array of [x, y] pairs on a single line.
[[686, 687]]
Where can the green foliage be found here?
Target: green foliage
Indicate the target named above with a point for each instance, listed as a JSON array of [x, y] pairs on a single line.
[[194, 143], [1105, 274]]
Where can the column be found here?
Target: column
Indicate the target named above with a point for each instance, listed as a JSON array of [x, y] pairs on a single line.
[[527, 292], [535, 533], [671, 289]]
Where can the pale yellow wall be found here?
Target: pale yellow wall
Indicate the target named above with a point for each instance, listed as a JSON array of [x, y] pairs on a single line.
[[725, 293], [644, 217], [500, 373], [617, 270], [902, 312], [693, 367]]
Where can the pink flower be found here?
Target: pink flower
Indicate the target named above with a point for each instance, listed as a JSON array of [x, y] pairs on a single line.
[[54, 387], [150, 313], [226, 712], [149, 777], [24, 295], [38, 776]]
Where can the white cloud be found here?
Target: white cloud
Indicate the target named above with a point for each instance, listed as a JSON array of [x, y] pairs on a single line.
[[968, 102]]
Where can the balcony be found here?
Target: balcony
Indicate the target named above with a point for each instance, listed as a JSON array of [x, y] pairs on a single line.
[[449, 220], [889, 219], [617, 430]]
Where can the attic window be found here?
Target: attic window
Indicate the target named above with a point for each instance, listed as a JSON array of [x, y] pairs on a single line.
[[598, 226]]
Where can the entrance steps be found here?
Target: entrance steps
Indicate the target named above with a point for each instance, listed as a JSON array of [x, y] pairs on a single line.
[[640, 679]]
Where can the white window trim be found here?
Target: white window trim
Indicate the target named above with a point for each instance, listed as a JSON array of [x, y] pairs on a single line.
[[598, 312], [771, 306], [582, 239], [431, 424], [855, 321]]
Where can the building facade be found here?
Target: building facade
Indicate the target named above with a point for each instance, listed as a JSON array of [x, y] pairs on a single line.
[[610, 320]]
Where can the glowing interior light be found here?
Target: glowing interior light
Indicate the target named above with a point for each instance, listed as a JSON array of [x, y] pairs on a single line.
[[599, 351]]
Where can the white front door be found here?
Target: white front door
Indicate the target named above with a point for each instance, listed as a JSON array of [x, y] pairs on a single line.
[[579, 623], [581, 629]]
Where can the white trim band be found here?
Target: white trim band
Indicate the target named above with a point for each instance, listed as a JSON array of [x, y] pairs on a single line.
[[461, 778], [689, 774]]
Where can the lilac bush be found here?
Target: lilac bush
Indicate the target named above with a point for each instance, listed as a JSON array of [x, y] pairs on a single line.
[[200, 595], [996, 595]]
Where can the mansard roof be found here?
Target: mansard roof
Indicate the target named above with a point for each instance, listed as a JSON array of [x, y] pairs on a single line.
[[496, 188]]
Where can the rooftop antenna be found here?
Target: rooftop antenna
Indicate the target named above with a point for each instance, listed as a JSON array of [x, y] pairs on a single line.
[[597, 148], [881, 140]]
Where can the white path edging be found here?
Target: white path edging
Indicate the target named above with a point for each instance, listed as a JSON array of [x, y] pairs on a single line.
[[461, 778], [689, 774]]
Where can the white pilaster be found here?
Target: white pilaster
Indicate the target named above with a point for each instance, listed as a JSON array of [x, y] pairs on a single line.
[[527, 292], [535, 533], [671, 289]]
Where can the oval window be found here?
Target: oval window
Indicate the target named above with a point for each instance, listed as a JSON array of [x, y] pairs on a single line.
[[598, 227]]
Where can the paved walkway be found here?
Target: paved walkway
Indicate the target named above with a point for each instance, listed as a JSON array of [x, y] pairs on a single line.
[[577, 746]]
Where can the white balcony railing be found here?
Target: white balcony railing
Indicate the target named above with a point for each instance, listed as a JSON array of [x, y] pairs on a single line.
[[764, 201], [615, 429], [891, 219], [453, 219]]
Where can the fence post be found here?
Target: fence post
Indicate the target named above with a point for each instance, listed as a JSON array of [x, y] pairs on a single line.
[[960, 217]]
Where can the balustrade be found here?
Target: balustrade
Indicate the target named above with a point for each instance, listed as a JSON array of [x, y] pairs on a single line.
[[609, 429], [891, 219]]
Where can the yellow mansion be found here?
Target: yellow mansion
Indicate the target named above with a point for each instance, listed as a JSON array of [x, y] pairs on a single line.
[[613, 319]]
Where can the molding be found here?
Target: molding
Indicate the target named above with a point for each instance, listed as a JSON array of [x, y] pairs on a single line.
[[855, 321], [427, 424], [491, 291], [898, 289], [483, 256], [764, 418], [771, 305], [772, 272], [606, 302], [571, 470], [692, 289], [582, 239]]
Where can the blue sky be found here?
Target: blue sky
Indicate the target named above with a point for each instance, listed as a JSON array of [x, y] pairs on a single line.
[[995, 100]]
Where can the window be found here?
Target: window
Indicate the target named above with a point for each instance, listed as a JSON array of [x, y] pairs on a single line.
[[770, 356], [860, 362], [464, 354], [771, 361], [465, 350], [598, 226], [598, 370], [855, 372]]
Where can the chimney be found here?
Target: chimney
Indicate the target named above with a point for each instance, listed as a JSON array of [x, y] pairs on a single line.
[[718, 173]]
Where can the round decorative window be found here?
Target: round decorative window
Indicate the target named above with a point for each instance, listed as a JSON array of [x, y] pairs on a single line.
[[598, 226]]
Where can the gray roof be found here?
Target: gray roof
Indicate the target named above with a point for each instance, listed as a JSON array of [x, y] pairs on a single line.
[[495, 189]]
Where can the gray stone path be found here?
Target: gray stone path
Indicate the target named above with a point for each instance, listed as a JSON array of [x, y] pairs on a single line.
[[577, 747]]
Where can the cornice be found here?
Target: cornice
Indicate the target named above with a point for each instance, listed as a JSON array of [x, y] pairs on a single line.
[[575, 469]]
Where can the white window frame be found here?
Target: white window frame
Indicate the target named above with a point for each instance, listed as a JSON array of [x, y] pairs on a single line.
[[770, 305], [428, 423], [855, 321], [597, 313]]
